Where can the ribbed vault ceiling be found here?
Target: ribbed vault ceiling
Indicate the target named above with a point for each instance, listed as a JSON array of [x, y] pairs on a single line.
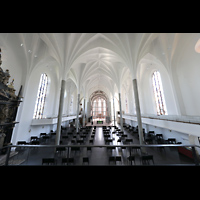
[[93, 61]]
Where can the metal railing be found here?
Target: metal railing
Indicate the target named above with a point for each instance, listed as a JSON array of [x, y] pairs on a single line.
[[7, 149]]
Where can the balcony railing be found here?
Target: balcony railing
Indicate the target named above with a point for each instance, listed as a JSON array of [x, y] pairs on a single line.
[[33, 154]]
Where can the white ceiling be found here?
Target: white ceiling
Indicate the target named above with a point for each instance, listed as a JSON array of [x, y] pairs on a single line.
[[93, 61]]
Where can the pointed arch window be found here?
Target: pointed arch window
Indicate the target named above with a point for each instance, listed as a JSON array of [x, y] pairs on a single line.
[[41, 97], [159, 94], [99, 108], [126, 102], [71, 105]]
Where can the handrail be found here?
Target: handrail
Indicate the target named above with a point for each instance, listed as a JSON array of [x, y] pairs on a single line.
[[110, 145], [101, 146]]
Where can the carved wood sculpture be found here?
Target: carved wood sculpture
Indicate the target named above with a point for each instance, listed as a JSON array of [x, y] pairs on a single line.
[[9, 103]]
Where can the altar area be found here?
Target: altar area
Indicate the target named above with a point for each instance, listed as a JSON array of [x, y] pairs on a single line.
[[99, 122]]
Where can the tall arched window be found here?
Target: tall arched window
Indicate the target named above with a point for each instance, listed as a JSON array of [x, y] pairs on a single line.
[[71, 105], [99, 108], [41, 97], [126, 103], [159, 94]]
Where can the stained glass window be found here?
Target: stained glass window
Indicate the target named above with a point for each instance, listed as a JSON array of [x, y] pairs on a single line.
[[41, 97], [159, 94]]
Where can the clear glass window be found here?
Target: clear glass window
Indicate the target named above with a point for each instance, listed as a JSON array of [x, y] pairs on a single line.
[[99, 108], [41, 97], [159, 94]]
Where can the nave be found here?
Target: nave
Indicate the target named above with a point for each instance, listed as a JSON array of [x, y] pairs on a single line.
[[49, 80], [85, 151]]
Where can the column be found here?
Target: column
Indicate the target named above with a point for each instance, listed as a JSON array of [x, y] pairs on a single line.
[[108, 111], [137, 103], [84, 114], [61, 103], [89, 114], [68, 100], [120, 107], [114, 110], [102, 110], [77, 113]]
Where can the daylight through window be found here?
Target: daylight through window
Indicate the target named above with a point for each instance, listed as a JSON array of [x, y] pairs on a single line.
[[99, 108], [159, 94], [41, 97]]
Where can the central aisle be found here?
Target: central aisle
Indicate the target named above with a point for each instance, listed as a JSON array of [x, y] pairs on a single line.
[[99, 155], [99, 139]]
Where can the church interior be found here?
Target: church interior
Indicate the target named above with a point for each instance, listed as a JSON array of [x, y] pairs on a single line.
[[108, 99]]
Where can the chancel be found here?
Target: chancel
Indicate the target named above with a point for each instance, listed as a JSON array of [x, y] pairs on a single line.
[[99, 99]]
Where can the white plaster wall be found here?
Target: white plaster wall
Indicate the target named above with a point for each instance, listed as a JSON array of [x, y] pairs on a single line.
[[24, 130], [186, 77], [180, 137], [123, 102], [75, 102], [147, 66]]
